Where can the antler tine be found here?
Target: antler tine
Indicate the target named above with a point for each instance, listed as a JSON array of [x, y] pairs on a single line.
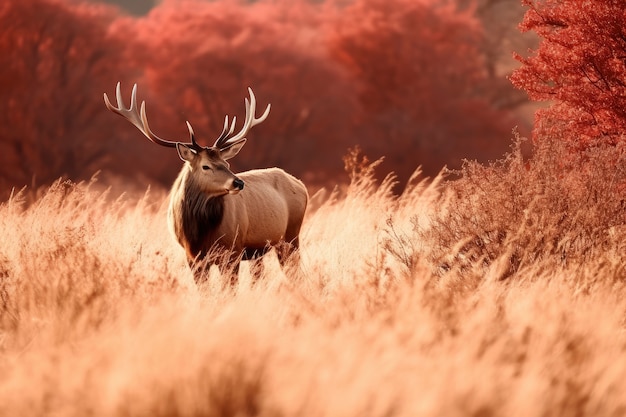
[[266, 113], [223, 134], [137, 118], [129, 113], [250, 121], [232, 126], [192, 137], [133, 95], [225, 131]]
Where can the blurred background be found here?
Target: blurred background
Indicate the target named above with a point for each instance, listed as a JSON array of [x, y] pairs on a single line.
[[420, 82]]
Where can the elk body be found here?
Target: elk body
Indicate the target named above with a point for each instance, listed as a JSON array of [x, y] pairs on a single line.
[[211, 209]]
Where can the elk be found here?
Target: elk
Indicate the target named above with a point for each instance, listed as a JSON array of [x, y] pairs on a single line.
[[211, 209]]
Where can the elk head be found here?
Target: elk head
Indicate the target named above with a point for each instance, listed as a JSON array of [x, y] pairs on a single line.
[[208, 165]]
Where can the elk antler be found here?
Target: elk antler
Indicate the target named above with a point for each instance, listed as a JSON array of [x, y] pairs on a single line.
[[225, 140], [139, 118]]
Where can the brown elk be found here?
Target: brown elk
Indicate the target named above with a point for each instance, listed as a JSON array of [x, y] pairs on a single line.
[[209, 210]]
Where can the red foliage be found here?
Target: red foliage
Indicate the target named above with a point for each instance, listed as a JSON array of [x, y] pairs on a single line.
[[581, 66], [402, 78], [422, 80], [200, 56], [57, 58]]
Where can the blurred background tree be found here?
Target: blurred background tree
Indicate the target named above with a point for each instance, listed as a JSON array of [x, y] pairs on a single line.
[[55, 59], [413, 81], [278, 51], [424, 82]]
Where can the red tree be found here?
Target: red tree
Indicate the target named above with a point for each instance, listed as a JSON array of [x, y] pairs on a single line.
[[56, 59], [422, 81], [199, 57], [581, 66]]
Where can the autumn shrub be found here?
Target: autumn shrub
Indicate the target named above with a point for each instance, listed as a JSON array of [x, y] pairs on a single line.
[[557, 207]]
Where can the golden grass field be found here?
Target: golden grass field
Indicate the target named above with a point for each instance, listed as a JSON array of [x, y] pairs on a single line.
[[499, 293]]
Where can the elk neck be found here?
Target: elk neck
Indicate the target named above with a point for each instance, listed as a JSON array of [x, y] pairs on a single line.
[[200, 214]]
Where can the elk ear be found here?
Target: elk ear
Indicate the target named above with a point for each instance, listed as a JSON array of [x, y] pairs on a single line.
[[232, 150], [185, 152]]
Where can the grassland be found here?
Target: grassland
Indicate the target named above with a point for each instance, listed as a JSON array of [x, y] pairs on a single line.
[[501, 292]]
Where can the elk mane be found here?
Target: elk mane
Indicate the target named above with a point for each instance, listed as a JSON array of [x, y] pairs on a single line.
[[200, 214]]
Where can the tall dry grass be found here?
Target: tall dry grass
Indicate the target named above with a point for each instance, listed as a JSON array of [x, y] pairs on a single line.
[[499, 293]]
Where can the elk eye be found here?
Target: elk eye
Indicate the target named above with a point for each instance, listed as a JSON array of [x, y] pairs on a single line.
[[206, 167]]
